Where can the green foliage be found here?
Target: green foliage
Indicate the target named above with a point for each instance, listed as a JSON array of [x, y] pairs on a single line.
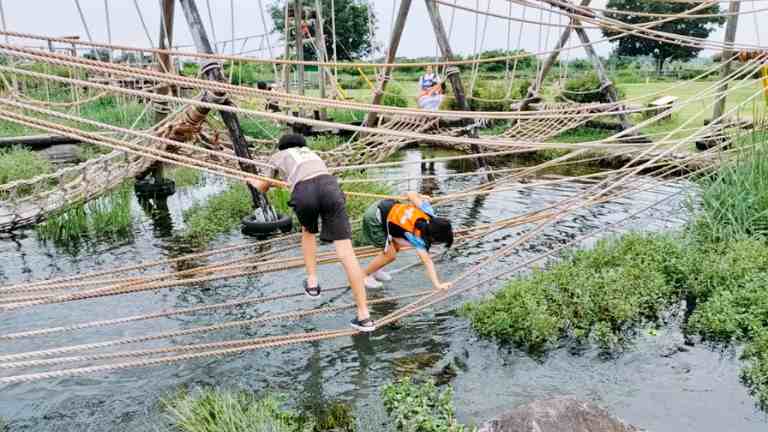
[[491, 95], [585, 89], [755, 375], [18, 163], [526, 62], [259, 129], [185, 177], [356, 205], [325, 142], [107, 217], [352, 28], [639, 44], [219, 215], [601, 293], [190, 69], [394, 97], [734, 200], [217, 411], [420, 407]]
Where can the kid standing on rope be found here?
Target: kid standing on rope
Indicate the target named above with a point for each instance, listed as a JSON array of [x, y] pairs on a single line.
[[315, 194], [392, 226]]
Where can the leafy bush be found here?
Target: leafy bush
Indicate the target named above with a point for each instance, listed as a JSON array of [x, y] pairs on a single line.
[[394, 97], [492, 95], [420, 407], [599, 294], [585, 89], [755, 375]]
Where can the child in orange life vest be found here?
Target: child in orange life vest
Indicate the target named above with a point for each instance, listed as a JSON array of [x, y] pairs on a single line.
[[391, 226]]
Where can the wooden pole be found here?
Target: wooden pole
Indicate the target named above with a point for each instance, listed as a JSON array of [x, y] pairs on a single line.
[[731, 27], [322, 53], [213, 72], [298, 17], [394, 42], [165, 64], [286, 67]]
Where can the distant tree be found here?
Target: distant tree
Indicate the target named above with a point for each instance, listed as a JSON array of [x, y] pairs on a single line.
[[638, 45], [525, 62], [98, 54], [352, 28]]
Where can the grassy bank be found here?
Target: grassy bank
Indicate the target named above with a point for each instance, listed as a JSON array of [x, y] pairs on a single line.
[[18, 163], [604, 295], [420, 406]]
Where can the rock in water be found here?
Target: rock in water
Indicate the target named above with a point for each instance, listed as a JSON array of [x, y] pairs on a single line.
[[558, 415]]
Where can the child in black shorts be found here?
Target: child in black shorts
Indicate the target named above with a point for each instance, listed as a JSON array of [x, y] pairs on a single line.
[[315, 195]]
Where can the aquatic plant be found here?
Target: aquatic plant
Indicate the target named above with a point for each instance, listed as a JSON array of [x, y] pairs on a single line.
[[421, 406], [19, 163], [600, 294], [106, 217], [734, 200], [221, 411], [185, 176], [755, 374]]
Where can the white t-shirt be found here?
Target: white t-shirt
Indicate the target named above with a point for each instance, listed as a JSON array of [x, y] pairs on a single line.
[[297, 164]]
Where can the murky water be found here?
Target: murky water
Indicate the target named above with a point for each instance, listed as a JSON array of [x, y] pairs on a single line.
[[658, 384]]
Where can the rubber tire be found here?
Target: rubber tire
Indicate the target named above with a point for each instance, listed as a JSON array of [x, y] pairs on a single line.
[[146, 188], [250, 227]]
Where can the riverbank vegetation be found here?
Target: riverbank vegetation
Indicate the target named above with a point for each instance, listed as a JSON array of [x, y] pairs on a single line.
[[107, 217], [718, 265], [19, 163], [420, 406]]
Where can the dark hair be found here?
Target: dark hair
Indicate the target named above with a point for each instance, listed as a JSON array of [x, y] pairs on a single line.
[[291, 140], [439, 230]]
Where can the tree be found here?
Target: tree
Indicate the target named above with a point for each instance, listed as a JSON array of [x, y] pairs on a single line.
[[352, 29], [638, 45]]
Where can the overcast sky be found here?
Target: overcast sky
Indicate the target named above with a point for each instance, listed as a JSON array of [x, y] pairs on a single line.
[[60, 18]]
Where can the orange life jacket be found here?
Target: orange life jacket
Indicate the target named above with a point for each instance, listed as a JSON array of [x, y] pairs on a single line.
[[405, 216]]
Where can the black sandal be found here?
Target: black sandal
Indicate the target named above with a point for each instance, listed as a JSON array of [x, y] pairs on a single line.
[[367, 325], [311, 291]]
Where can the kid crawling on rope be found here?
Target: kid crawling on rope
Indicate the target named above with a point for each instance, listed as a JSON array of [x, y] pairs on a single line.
[[315, 194], [392, 226]]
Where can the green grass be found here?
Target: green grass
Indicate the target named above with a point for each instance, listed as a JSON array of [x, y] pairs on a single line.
[[220, 411], [325, 142], [18, 163], [420, 406], [185, 177], [107, 217]]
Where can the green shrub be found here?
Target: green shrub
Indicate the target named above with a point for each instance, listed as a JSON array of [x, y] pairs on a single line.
[[185, 177], [394, 97], [585, 89], [222, 213], [420, 407], [217, 411], [755, 374], [601, 294], [709, 268], [491, 95]]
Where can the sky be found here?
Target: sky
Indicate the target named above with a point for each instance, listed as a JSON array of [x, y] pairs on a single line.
[[61, 18]]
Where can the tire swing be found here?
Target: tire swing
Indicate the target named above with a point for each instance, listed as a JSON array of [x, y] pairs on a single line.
[[152, 188], [256, 227]]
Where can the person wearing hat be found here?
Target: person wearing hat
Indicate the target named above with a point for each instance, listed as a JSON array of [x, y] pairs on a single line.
[[317, 197]]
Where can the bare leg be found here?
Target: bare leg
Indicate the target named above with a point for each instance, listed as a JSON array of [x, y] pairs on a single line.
[[309, 249], [381, 260], [348, 259]]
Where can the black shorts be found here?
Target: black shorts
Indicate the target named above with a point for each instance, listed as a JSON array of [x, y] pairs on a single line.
[[321, 198]]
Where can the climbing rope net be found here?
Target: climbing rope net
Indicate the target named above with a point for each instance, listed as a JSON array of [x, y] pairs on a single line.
[[47, 90]]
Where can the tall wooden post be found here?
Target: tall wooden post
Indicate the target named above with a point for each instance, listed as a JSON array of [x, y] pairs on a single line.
[[322, 54], [725, 69], [213, 72], [394, 42], [298, 17], [165, 64], [286, 66]]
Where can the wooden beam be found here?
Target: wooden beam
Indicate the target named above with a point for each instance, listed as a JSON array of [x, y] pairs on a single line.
[[394, 42], [323, 54], [213, 72], [298, 18], [731, 27]]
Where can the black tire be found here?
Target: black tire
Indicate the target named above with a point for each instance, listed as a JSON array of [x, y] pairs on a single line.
[[250, 227], [149, 189]]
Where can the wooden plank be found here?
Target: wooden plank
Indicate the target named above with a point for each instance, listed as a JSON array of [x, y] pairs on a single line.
[[36, 142]]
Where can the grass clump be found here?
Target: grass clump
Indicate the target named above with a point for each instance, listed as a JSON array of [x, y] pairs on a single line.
[[185, 177], [217, 411], [18, 163], [585, 89], [107, 217], [421, 407], [219, 215], [601, 294], [394, 97]]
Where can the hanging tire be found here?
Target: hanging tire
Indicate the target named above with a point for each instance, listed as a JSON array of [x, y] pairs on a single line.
[[149, 189], [254, 228]]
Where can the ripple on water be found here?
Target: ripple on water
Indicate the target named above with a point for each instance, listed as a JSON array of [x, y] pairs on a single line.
[[652, 385]]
